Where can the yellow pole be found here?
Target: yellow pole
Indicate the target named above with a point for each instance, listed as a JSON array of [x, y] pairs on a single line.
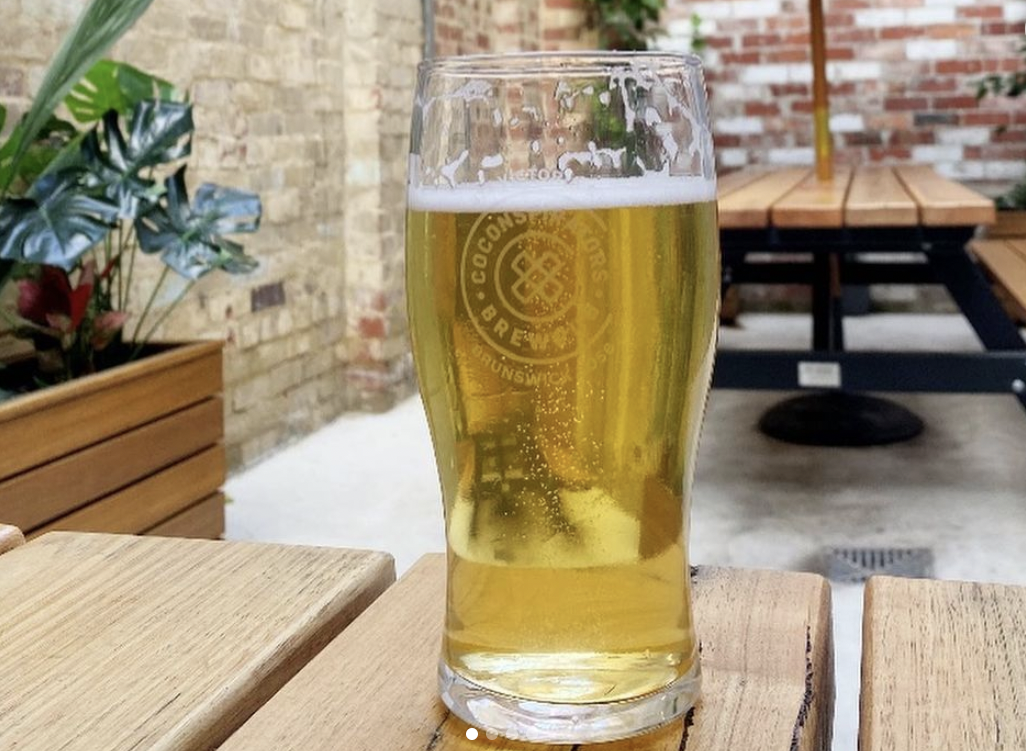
[[820, 98]]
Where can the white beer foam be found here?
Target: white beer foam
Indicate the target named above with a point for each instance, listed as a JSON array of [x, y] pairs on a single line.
[[557, 195]]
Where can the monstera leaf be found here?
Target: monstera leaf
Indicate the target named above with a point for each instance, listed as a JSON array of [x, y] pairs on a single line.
[[189, 237], [55, 223], [101, 24], [111, 85], [158, 133]]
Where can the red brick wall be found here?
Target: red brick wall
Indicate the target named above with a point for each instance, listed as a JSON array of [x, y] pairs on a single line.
[[901, 74]]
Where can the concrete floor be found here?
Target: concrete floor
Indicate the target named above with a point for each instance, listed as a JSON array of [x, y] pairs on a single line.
[[960, 488]]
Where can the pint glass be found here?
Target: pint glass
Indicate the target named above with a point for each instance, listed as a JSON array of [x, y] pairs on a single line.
[[563, 285]]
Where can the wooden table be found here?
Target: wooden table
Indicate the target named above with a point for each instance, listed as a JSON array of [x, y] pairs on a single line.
[[766, 659], [838, 228], [944, 666], [123, 643], [118, 642]]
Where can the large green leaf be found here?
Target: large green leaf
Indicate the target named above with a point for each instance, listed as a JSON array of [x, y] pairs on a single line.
[[158, 133], [189, 237], [111, 85], [55, 224], [55, 137], [101, 24]]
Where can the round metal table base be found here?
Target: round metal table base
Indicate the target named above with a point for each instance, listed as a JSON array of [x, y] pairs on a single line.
[[837, 418]]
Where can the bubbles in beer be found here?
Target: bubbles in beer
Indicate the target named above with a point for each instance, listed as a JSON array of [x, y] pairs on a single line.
[[564, 335]]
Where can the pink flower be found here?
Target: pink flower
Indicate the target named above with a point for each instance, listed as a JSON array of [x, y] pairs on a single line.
[[106, 327]]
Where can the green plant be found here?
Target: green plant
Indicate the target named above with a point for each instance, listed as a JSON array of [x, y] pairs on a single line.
[[79, 200], [1011, 85], [626, 24], [101, 24]]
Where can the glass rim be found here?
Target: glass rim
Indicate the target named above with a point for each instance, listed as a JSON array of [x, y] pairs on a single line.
[[573, 62]]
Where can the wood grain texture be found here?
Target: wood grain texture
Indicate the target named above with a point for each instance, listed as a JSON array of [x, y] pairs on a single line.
[[10, 538], [151, 501], [766, 660], [734, 181], [1006, 261], [749, 206], [943, 667], [943, 202], [814, 202], [120, 399], [877, 198], [38, 496], [204, 519], [119, 642]]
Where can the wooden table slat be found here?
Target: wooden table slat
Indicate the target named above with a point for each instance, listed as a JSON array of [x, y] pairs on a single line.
[[878, 198], [748, 207], [734, 181], [120, 642], [944, 666], [814, 203], [944, 203], [766, 657], [10, 538]]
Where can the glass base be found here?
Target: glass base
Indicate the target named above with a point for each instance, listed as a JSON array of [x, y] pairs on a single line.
[[548, 722]]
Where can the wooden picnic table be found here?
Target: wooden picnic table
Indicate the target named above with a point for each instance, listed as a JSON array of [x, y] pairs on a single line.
[[786, 227], [112, 642]]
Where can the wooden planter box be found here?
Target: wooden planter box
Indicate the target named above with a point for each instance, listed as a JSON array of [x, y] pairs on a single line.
[[136, 449]]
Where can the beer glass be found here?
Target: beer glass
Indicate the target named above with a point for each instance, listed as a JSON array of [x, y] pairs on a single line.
[[563, 284]]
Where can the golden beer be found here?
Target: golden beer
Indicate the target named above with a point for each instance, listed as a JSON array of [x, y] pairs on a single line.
[[564, 337]]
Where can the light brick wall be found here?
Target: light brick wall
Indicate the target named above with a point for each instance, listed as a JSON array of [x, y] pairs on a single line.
[[380, 72], [901, 79], [466, 27], [306, 102], [564, 25]]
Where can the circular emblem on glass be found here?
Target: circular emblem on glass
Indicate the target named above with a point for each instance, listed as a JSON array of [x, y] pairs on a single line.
[[534, 284]]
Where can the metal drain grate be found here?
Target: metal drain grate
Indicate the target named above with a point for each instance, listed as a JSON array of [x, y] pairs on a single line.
[[853, 565]]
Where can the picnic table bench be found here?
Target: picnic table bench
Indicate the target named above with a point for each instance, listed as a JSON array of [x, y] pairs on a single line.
[[839, 229], [116, 642], [1005, 260]]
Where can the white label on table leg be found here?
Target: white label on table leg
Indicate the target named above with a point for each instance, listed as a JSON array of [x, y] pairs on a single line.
[[819, 375]]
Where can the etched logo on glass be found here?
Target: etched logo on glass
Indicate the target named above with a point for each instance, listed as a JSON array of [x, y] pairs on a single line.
[[538, 277], [534, 284]]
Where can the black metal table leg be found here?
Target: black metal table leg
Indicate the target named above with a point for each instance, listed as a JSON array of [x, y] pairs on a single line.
[[836, 417], [822, 308], [1002, 369], [972, 292]]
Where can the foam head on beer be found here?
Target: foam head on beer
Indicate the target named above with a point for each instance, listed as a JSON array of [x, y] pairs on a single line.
[[560, 195]]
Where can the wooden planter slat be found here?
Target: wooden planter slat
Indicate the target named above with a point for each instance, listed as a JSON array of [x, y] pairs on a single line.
[[205, 519], [146, 504], [45, 493], [46, 425]]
